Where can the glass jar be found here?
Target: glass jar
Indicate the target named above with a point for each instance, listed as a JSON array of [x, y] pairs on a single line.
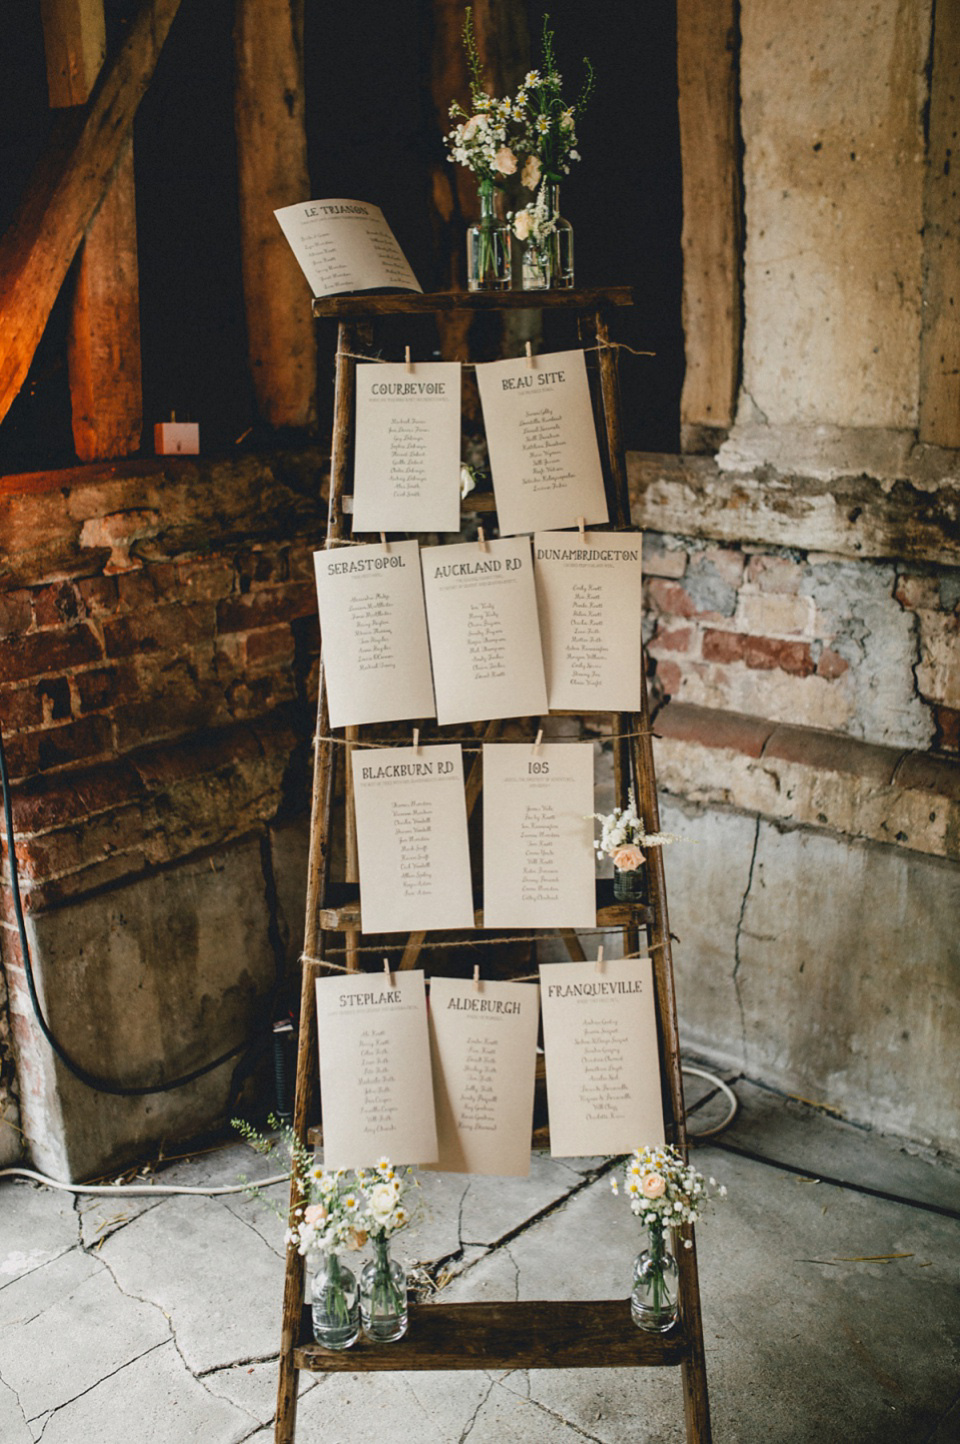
[[548, 251], [383, 1296], [488, 247], [630, 886], [334, 1304], [653, 1303]]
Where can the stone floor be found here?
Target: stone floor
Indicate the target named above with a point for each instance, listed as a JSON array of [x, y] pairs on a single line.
[[828, 1277]]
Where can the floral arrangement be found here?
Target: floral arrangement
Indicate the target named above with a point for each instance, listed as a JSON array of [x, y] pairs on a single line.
[[623, 838], [535, 123], [663, 1190], [339, 1209]]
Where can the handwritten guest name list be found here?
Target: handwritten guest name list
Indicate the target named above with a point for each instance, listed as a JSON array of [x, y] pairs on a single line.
[[603, 1065], [590, 600], [412, 839], [483, 1041], [373, 628], [538, 859], [484, 633], [407, 468], [345, 246], [375, 1084], [542, 441]]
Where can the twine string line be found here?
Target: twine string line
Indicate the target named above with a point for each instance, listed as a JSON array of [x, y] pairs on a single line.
[[470, 744], [472, 365], [642, 953]]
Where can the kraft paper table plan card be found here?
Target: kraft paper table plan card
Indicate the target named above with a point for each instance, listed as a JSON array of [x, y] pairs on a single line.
[[406, 475], [484, 633], [375, 1083], [376, 657], [345, 246], [542, 440], [538, 858], [590, 599], [483, 1044], [412, 841], [603, 1065]]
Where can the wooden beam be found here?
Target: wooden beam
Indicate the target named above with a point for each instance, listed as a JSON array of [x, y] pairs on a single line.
[[103, 345], [65, 190], [940, 341], [272, 172], [75, 44], [707, 78]]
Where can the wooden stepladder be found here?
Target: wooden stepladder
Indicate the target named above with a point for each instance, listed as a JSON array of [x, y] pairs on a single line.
[[529, 1335]]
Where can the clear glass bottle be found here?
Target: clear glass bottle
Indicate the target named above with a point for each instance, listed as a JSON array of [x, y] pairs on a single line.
[[334, 1304], [548, 255], [653, 1303], [383, 1296], [630, 886], [488, 247]]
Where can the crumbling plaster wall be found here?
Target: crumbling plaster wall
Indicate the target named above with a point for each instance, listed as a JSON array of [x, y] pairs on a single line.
[[803, 602]]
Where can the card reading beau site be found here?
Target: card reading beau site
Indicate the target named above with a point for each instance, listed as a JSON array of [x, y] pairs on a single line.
[[483, 1043], [412, 839], [603, 1065], [543, 442], [376, 658], [406, 476], [591, 604], [375, 1085]]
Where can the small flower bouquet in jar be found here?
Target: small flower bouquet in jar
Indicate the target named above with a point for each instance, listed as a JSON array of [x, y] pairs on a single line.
[[383, 1282], [665, 1192], [623, 838]]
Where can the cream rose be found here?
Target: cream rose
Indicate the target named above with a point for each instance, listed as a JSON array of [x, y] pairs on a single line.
[[382, 1200], [471, 126], [314, 1214], [505, 161], [530, 175], [522, 222], [627, 858], [653, 1186]]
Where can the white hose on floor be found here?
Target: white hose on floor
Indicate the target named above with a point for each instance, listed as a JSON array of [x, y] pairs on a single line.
[[144, 1190], [724, 1088]]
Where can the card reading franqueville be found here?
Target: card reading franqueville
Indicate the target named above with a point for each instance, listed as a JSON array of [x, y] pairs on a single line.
[[590, 598], [539, 865], [603, 1065], [376, 658], [412, 843], [484, 632], [542, 441], [406, 475], [483, 1045], [375, 1085], [345, 246]]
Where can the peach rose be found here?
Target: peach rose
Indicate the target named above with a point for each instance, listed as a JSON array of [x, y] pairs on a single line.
[[356, 1238], [522, 222], [471, 126], [505, 161], [627, 858], [530, 175], [314, 1214], [653, 1186]]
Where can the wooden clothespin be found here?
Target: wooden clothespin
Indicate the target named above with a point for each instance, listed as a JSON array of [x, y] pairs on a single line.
[[384, 542], [582, 527], [482, 539], [476, 977], [387, 973], [406, 357], [529, 349], [416, 739], [538, 740], [600, 958]]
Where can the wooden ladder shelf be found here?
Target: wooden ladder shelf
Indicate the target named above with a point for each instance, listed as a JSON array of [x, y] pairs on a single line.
[[530, 1335]]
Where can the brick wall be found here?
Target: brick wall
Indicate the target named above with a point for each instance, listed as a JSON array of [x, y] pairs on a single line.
[[158, 664]]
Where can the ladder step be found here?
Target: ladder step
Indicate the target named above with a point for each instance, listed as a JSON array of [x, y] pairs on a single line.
[[543, 1335], [343, 914]]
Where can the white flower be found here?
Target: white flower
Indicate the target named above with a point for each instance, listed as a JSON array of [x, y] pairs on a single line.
[[530, 175], [467, 481], [382, 1199], [522, 225]]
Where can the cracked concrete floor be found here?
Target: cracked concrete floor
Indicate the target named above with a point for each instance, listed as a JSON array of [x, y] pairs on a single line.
[[828, 1279]]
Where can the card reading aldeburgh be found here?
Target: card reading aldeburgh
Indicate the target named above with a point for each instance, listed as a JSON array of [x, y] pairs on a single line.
[[376, 657], [539, 865], [484, 633], [483, 1045], [345, 246], [375, 1084], [412, 842], [591, 604], [406, 475], [543, 443], [603, 1064]]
